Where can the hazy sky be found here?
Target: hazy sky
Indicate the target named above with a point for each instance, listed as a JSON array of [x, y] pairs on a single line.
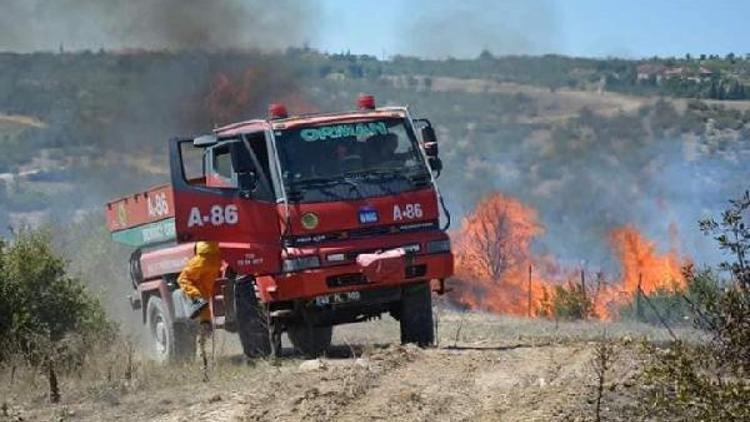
[[631, 28], [429, 28]]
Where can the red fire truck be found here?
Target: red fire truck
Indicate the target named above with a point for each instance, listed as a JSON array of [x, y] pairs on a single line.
[[322, 219]]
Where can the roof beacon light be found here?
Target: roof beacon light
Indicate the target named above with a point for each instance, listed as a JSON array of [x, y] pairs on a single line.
[[277, 111], [366, 102]]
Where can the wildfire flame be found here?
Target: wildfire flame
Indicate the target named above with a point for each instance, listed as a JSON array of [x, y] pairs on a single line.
[[496, 270], [232, 98], [229, 99]]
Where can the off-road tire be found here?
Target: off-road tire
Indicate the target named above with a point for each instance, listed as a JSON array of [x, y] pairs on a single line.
[[170, 342], [415, 315], [252, 321], [310, 340]]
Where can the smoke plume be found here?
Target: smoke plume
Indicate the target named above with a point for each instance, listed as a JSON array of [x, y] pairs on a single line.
[[31, 25]]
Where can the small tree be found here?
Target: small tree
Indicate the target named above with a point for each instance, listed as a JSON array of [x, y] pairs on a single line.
[[732, 235], [46, 315], [710, 381], [497, 235]]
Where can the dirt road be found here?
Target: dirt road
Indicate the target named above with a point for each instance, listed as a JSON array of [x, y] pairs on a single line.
[[407, 384], [484, 369]]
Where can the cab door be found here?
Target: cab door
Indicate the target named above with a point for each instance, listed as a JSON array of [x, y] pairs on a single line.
[[246, 224]]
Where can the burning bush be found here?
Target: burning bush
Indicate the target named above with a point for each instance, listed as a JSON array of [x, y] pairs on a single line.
[[493, 258], [496, 270]]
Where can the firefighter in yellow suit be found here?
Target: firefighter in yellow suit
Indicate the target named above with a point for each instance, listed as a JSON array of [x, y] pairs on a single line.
[[197, 282], [198, 278]]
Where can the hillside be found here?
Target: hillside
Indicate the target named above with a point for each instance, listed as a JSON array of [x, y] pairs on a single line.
[[83, 127]]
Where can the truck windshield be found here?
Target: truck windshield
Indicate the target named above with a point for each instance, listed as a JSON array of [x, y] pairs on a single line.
[[346, 160]]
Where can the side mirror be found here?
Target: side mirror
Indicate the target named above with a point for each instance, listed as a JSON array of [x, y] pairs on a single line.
[[430, 141], [241, 160], [247, 183], [242, 163], [436, 165]]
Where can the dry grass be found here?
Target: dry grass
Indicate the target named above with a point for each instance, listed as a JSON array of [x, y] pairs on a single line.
[[551, 106], [477, 329], [122, 384], [121, 381]]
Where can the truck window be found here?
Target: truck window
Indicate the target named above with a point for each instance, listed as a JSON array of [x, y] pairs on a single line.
[[212, 166], [219, 172], [223, 162], [193, 165]]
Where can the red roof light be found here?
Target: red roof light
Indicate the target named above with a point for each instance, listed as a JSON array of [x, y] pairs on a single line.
[[366, 102], [277, 111]]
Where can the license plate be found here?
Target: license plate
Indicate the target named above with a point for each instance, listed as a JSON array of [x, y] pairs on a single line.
[[337, 298]]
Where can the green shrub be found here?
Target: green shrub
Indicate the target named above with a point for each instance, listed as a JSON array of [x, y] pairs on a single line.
[[688, 383], [41, 307], [711, 381], [675, 305], [568, 303], [665, 305]]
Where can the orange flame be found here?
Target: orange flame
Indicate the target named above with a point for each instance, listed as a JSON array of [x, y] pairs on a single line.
[[642, 266], [231, 99], [497, 272], [494, 256]]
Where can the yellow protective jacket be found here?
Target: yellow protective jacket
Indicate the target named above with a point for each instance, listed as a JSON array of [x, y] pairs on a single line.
[[198, 277]]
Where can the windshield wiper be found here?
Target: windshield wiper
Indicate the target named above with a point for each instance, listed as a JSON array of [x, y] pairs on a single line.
[[320, 183], [354, 185], [390, 173], [315, 181]]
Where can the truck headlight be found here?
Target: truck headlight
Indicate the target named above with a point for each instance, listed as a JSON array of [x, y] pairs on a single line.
[[336, 257], [437, 246], [299, 264]]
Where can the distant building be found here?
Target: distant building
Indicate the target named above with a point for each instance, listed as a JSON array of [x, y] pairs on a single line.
[[675, 72], [658, 73], [650, 72], [705, 73]]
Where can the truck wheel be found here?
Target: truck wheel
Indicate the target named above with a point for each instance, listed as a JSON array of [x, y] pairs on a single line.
[[171, 342], [252, 322], [309, 340], [416, 315]]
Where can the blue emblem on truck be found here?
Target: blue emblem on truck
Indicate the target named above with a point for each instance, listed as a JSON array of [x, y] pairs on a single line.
[[368, 215]]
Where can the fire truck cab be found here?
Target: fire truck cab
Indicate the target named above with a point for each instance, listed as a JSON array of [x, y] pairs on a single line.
[[321, 219]]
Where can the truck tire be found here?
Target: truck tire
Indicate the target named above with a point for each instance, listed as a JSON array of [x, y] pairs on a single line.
[[310, 340], [252, 321], [170, 342], [415, 315]]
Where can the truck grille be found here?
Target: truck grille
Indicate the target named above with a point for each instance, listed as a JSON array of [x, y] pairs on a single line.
[[361, 233]]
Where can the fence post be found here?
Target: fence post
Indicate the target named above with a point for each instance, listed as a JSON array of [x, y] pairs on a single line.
[[528, 311], [583, 289], [638, 308], [583, 283]]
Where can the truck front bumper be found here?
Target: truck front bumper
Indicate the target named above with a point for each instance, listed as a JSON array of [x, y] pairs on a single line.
[[311, 283]]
